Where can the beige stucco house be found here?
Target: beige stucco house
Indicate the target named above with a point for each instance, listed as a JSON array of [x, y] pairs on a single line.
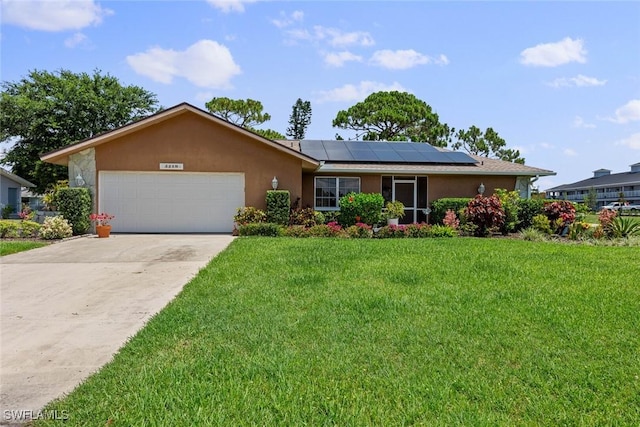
[[186, 170]]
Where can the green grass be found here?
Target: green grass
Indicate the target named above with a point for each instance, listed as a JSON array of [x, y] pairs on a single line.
[[12, 247], [433, 332]]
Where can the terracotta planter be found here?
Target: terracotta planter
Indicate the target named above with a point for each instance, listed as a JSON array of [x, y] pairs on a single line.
[[103, 230]]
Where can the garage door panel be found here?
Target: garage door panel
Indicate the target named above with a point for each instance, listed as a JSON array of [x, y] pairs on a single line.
[[171, 201]]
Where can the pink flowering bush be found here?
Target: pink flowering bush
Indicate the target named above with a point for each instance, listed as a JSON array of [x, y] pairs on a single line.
[[451, 219]]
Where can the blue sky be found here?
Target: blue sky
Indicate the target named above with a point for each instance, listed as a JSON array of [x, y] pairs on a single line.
[[560, 81]]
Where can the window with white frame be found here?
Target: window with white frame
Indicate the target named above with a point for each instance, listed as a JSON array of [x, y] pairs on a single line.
[[329, 189]]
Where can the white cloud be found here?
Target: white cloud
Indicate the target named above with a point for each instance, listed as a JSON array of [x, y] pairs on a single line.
[[579, 122], [78, 39], [632, 142], [53, 15], [285, 21], [546, 146], [332, 36], [578, 80], [227, 6], [629, 112], [404, 59], [358, 92], [569, 152], [554, 54], [204, 63], [337, 59]]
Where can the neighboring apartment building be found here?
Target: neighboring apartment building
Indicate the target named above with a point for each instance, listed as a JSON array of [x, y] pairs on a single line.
[[609, 187]]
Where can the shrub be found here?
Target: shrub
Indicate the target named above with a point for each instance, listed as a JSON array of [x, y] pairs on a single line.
[[542, 224], [306, 217], [249, 215], [74, 204], [55, 227], [320, 217], [50, 198], [29, 228], [438, 230], [580, 230], [605, 217], [561, 213], [359, 231], [417, 230], [260, 229], [7, 211], [9, 229], [361, 207], [330, 216], [621, 227], [451, 220], [296, 231], [486, 213], [533, 234], [440, 207], [527, 209], [278, 206], [510, 205]]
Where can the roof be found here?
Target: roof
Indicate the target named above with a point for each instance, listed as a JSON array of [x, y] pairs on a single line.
[[478, 165], [61, 155], [23, 182], [623, 178]]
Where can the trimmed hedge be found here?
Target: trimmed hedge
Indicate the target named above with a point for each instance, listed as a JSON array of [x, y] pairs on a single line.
[[10, 228], [278, 206], [439, 207], [75, 206], [268, 229]]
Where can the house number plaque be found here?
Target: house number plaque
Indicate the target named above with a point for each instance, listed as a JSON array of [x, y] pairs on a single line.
[[172, 166]]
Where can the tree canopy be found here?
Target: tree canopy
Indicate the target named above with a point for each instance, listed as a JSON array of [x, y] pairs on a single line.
[[487, 144], [45, 111], [299, 120], [246, 113], [394, 116]]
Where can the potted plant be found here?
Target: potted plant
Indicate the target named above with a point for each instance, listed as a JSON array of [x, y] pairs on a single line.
[[395, 211], [103, 228]]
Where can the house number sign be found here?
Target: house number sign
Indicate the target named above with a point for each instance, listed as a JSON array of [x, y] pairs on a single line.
[[172, 166]]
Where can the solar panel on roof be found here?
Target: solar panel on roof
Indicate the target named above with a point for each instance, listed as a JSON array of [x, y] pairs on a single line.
[[381, 151]]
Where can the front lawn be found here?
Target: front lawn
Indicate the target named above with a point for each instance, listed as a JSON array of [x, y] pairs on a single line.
[[8, 247], [281, 331]]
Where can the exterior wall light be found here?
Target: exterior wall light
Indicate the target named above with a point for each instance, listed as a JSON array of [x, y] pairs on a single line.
[[274, 183], [481, 189], [79, 180]]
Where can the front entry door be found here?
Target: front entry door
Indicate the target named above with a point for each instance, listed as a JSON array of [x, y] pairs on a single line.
[[405, 192]]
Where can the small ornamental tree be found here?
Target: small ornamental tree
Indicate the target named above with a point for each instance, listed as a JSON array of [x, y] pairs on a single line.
[[485, 213]]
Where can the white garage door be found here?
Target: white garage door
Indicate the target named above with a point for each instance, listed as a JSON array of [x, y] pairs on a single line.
[[171, 202]]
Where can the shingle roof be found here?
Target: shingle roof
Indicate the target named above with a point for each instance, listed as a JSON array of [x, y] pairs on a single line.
[[484, 166], [623, 178], [23, 182]]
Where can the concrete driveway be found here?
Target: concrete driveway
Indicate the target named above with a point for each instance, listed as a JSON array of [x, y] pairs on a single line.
[[68, 307]]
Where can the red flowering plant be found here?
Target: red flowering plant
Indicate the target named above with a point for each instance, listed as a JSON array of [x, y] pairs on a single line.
[[101, 219], [561, 213]]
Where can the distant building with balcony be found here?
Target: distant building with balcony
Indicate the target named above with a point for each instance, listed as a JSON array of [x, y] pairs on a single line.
[[609, 187]]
